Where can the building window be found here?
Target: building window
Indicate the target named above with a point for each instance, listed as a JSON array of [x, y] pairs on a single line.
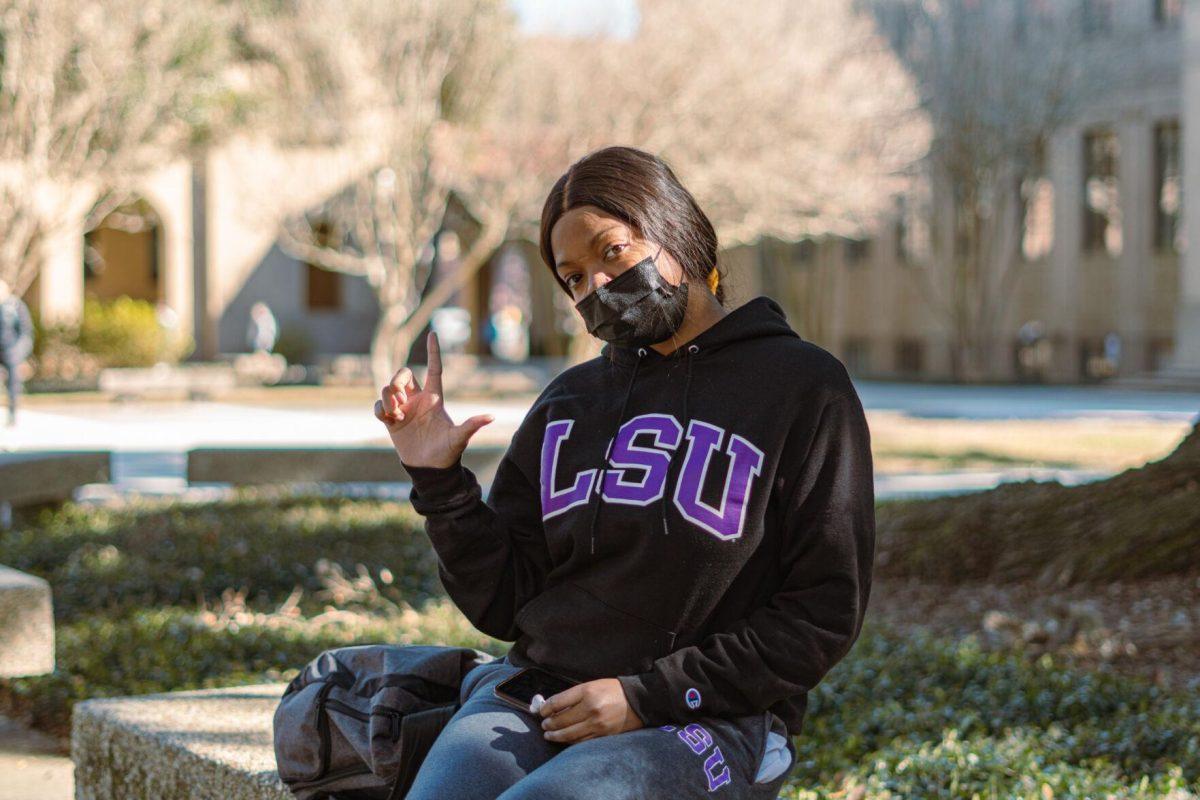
[[1167, 13], [960, 225], [1101, 198], [912, 232], [1168, 188], [804, 251], [1035, 193], [1096, 17], [1159, 350], [857, 250], [323, 286], [857, 355], [324, 289], [909, 353]]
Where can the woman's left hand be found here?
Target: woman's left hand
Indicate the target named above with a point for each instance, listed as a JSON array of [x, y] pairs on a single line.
[[588, 710]]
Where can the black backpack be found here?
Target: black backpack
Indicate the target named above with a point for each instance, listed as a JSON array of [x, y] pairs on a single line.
[[357, 721]]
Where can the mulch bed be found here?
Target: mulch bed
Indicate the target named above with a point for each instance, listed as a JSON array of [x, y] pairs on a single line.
[[1146, 628]]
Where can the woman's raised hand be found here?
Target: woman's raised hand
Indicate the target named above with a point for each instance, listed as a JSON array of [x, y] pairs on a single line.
[[416, 419]]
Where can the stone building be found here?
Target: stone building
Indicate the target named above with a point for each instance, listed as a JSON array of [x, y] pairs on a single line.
[[209, 251], [1096, 268], [1108, 256]]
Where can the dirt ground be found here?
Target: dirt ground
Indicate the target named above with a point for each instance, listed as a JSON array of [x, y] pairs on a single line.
[[1149, 628]]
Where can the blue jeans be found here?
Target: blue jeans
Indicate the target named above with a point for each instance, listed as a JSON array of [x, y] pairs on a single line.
[[490, 750]]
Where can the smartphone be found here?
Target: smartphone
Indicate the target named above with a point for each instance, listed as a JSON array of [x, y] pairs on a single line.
[[519, 689]]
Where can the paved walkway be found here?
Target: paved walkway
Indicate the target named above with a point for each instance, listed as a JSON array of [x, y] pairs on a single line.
[[149, 440], [952, 401], [32, 767]]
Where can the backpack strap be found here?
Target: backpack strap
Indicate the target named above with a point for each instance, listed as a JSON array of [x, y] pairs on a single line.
[[418, 730]]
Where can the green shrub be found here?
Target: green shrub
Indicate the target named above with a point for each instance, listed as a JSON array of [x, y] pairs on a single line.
[[894, 695], [126, 333], [163, 553], [56, 353], [174, 648], [295, 344]]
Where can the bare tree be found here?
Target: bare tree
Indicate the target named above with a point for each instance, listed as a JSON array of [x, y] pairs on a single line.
[[407, 87], [997, 80], [787, 118], [92, 95], [784, 119]]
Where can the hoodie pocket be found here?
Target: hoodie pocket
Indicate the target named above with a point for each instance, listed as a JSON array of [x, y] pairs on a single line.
[[568, 628]]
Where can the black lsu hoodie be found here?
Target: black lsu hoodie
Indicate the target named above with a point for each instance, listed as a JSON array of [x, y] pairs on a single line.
[[700, 526]]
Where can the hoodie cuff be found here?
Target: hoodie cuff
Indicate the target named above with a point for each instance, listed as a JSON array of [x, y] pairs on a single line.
[[440, 489], [648, 695]]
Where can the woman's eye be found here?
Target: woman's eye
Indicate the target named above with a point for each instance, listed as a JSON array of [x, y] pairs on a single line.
[[610, 248], [569, 277]]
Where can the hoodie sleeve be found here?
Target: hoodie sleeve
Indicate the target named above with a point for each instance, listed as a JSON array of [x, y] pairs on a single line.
[[492, 557], [786, 647]]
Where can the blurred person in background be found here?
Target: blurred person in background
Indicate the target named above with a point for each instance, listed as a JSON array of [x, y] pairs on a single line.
[[731, 567], [16, 344], [263, 329], [1112, 351], [1033, 351]]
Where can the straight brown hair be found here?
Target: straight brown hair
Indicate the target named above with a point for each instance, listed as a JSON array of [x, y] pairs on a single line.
[[642, 191]]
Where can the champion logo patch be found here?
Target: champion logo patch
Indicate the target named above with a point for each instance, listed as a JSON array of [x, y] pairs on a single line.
[[692, 697]]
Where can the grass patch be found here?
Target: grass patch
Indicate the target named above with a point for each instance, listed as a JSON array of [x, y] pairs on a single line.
[[971, 458], [277, 581], [157, 553], [920, 716], [904, 442]]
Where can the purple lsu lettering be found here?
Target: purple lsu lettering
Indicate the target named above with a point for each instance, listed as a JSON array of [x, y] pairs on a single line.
[[716, 771], [637, 475]]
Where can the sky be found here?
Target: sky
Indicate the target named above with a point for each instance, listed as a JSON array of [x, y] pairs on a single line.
[[575, 17]]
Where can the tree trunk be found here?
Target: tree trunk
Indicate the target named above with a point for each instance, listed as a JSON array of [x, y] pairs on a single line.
[[386, 344], [398, 327]]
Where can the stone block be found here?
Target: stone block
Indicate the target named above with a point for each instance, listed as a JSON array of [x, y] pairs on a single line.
[[48, 476], [202, 744], [26, 625], [278, 465]]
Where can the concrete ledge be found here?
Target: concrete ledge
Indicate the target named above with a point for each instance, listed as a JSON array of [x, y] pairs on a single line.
[[463, 374], [194, 381], [46, 476], [255, 465], [189, 745], [26, 625]]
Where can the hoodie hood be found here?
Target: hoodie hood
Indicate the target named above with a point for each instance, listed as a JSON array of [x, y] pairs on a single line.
[[757, 318]]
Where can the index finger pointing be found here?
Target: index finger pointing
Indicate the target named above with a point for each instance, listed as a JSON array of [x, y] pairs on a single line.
[[433, 374]]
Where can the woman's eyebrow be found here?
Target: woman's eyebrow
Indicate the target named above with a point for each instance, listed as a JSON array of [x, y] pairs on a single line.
[[592, 243]]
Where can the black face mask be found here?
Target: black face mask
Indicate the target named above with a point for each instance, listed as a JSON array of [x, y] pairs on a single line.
[[637, 308]]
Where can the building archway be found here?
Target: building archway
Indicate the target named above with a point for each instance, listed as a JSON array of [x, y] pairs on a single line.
[[122, 255]]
